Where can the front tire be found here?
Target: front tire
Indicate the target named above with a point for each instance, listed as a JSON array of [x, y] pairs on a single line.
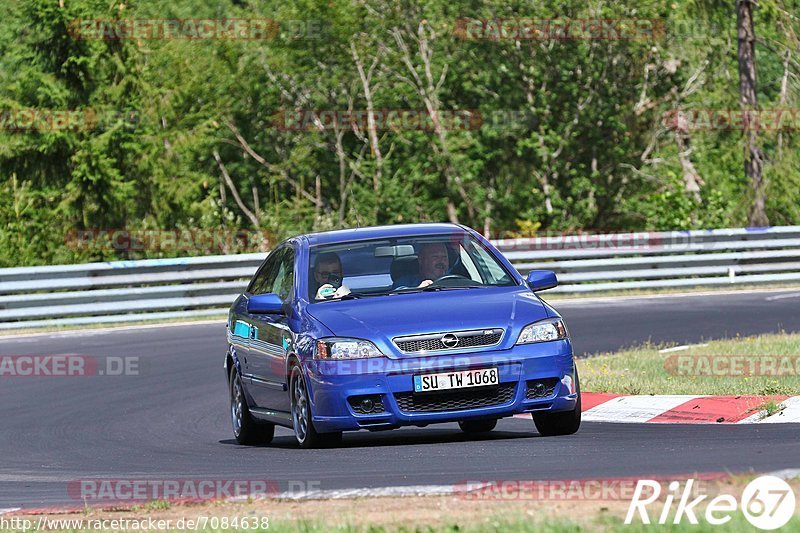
[[304, 431], [477, 426], [245, 429], [562, 423]]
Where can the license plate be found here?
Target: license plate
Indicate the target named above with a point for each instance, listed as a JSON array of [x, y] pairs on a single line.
[[456, 380]]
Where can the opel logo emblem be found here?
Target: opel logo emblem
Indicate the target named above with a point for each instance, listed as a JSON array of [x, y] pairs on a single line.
[[449, 340]]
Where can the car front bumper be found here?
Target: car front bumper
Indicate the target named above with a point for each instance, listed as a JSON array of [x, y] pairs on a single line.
[[334, 387]]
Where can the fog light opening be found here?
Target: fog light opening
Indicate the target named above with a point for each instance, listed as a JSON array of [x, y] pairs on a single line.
[[367, 405]]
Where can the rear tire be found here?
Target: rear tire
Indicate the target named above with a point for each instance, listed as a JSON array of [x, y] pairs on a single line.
[[302, 419], [477, 426], [245, 429], [561, 423]]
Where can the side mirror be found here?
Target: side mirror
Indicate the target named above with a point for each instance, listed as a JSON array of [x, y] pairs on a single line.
[[264, 304], [539, 280]]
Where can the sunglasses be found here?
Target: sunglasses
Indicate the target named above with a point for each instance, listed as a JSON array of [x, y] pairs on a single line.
[[330, 275]]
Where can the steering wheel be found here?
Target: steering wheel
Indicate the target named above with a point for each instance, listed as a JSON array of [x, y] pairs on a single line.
[[454, 280]]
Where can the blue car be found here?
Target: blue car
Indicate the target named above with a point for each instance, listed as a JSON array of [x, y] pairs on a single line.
[[382, 327]]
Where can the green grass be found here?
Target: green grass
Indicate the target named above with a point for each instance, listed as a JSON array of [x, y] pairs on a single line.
[[531, 524], [519, 523], [158, 505], [644, 370], [770, 408]]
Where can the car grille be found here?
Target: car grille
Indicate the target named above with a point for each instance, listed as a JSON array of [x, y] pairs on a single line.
[[433, 342], [540, 388], [455, 400]]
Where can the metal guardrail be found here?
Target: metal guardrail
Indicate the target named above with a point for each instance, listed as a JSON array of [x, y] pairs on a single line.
[[128, 291]]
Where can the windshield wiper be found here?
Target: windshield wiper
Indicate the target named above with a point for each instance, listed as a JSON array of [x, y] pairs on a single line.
[[348, 296], [436, 288], [351, 296]]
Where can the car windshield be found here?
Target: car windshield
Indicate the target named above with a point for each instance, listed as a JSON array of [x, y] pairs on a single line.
[[388, 266]]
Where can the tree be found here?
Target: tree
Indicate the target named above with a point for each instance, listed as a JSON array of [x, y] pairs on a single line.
[[754, 157]]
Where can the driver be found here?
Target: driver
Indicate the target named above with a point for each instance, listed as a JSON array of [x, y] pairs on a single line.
[[328, 276], [433, 264]]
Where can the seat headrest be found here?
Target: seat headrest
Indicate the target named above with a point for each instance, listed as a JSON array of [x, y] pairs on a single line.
[[404, 266]]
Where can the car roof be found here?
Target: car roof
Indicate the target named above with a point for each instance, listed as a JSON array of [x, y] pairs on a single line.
[[379, 232]]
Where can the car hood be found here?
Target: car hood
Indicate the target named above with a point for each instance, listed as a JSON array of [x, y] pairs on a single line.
[[382, 318]]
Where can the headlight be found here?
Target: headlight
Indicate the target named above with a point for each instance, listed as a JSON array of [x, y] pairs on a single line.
[[551, 329], [346, 349]]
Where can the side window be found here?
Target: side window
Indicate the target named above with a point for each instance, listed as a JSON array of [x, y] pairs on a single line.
[[490, 269], [284, 279], [469, 265], [265, 278]]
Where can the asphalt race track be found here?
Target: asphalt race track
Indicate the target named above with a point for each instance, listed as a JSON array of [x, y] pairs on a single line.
[[171, 421]]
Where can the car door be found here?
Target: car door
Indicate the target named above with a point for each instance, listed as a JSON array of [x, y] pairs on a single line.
[[270, 336], [243, 327], [239, 334]]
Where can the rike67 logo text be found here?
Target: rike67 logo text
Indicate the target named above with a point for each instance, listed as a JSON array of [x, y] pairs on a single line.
[[767, 502]]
